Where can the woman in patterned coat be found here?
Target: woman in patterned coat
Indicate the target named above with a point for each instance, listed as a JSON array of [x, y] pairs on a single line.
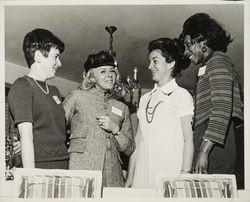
[[100, 125], [217, 97]]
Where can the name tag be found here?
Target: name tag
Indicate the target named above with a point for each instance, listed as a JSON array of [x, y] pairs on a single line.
[[116, 111], [202, 70], [56, 99]]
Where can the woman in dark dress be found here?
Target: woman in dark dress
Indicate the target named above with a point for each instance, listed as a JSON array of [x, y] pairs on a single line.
[[36, 106]]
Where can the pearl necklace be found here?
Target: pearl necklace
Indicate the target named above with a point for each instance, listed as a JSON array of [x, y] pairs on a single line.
[[47, 88]]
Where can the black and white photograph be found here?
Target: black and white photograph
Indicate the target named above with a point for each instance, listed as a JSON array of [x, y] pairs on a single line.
[[124, 100]]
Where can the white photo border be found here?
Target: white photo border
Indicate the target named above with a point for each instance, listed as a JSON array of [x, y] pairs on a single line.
[[3, 3]]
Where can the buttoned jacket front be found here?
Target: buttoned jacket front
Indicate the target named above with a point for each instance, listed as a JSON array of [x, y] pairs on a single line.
[[96, 145]]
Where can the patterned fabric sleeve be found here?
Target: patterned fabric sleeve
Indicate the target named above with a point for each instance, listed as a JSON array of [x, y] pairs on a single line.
[[69, 106], [220, 74], [126, 130]]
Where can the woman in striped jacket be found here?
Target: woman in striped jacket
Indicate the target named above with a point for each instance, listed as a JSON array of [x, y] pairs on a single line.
[[217, 95]]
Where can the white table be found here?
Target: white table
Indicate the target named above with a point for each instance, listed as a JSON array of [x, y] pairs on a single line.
[[119, 194]]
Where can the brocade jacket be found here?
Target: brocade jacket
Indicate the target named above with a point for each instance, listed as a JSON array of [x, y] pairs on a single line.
[[98, 148]]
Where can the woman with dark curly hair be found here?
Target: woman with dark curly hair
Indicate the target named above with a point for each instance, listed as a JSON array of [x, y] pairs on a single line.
[[164, 140], [217, 95]]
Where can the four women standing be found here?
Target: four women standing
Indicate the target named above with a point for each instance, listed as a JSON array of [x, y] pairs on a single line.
[[101, 127]]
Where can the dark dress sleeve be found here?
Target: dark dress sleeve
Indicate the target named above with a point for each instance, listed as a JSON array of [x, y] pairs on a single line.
[[20, 101]]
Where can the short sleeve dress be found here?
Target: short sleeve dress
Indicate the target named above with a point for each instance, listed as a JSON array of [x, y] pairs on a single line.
[[28, 103], [160, 149]]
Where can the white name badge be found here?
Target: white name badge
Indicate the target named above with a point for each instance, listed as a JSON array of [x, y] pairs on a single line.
[[116, 111], [202, 70], [56, 99]]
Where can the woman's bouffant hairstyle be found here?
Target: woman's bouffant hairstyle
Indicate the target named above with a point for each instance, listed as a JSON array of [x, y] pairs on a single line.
[[201, 27], [171, 50], [103, 58], [42, 40]]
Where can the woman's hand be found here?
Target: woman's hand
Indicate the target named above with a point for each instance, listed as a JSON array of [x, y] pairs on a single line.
[[128, 182], [108, 124], [201, 163]]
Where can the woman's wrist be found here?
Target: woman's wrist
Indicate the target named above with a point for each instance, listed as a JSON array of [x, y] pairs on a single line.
[[206, 146]]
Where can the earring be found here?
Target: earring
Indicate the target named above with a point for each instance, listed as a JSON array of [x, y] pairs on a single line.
[[204, 49]]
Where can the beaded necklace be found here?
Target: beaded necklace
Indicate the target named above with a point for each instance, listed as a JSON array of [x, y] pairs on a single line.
[[47, 88], [150, 115], [149, 112]]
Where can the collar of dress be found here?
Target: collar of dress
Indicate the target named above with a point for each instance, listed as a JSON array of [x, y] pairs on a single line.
[[166, 89]]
